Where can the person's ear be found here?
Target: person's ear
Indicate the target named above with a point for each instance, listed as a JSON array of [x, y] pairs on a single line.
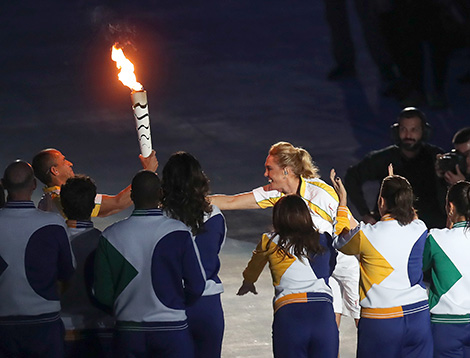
[[54, 170], [381, 205], [451, 210]]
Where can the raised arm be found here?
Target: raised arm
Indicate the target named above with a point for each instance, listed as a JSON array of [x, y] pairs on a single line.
[[342, 205], [234, 202], [149, 163], [339, 188], [112, 204]]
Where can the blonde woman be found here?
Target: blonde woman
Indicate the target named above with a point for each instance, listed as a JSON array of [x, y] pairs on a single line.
[[291, 170]]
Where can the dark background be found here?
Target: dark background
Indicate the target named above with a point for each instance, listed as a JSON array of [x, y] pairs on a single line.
[[225, 80]]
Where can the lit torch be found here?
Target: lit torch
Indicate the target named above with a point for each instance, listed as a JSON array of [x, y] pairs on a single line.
[[138, 97]]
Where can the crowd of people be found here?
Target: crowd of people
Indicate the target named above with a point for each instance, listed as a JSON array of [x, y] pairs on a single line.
[[148, 286]]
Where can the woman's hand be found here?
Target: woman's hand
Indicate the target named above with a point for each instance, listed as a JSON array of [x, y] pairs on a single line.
[[247, 287], [339, 188]]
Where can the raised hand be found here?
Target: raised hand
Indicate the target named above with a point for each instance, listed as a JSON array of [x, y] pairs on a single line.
[[339, 188]]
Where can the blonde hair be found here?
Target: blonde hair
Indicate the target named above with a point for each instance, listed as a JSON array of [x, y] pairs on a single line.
[[286, 155]]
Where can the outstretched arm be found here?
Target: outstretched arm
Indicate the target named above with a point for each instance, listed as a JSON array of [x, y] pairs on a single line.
[[234, 202], [112, 204]]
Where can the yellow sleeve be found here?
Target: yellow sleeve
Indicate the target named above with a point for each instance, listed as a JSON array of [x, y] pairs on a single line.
[[342, 220], [347, 241], [96, 209], [257, 262]]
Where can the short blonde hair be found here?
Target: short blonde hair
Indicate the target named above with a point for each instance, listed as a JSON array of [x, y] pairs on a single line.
[[286, 155]]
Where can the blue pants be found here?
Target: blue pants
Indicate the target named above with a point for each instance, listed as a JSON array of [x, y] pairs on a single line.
[[206, 324], [161, 344], [302, 330], [42, 340], [93, 343], [408, 336], [451, 340]]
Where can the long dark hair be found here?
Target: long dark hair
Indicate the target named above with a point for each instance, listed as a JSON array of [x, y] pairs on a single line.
[[399, 198], [459, 195], [185, 188], [293, 223]]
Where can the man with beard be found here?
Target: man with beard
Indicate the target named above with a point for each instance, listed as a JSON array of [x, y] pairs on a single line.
[[411, 158]]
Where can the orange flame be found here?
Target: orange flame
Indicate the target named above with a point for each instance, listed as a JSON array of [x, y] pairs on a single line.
[[126, 74]]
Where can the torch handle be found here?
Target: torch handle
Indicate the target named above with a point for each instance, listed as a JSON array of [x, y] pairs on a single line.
[[142, 121]]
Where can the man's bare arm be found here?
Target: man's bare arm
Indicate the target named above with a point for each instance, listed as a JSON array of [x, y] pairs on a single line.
[[112, 204], [234, 202], [150, 162]]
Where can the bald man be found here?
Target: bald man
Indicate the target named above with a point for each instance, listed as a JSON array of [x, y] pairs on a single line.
[[34, 253], [53, 169]]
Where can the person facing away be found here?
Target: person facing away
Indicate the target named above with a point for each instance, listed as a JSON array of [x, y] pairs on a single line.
[[88, 329], [446, 261], [34, 254], [185, 189], [53, 169], [413, 158], [301, 261], [394, 319], [148, 271]]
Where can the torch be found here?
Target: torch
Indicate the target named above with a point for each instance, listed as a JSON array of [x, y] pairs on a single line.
[[138, 97]]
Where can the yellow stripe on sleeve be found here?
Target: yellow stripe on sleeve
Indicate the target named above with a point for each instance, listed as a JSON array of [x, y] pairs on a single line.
[[258, 260], [342, 220], [268, 203], [96, 209]]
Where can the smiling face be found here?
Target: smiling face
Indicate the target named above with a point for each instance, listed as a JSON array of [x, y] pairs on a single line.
[[410, 132], [276, 175]]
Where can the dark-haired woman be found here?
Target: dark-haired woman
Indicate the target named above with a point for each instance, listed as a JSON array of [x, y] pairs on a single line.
[[394, 307], [301, 261], [446, 256], [185, 188]]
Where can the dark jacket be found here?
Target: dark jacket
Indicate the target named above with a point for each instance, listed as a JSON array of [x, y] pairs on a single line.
[[420, 172]]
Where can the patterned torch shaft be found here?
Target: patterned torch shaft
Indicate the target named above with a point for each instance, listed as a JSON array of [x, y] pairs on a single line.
[[142, 121]]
